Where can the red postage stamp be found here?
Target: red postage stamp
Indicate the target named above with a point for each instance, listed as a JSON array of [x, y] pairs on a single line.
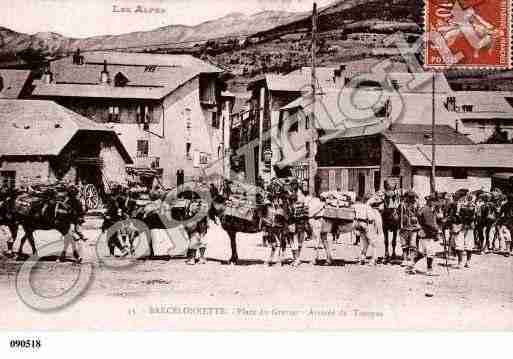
[[468, 34]]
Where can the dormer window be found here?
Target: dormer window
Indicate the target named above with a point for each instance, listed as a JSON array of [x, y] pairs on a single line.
[[113, 114], [120, 80], [144, 115]]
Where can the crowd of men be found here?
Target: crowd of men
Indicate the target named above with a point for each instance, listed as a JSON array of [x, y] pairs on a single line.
[[444, 225]]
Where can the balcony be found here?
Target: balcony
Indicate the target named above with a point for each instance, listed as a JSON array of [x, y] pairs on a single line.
[[147, 162]]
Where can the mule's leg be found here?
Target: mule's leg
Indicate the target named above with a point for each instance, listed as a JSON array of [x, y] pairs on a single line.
[[272, 243], [394, 242], [327, 247], [284, 237], [480, 237], [233, 244], [32, 243], [22, 244], [385, 234], [13, 233], [488, 230], [76, 246], [65, 247]]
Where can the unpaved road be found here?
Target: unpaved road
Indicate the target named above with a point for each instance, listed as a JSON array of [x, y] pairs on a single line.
[[167, 294]]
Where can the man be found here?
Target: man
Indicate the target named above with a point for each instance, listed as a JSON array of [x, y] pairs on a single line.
[[368, 226], [317, 222], [391, 217], [298, 225], [77, 214], [409, 227], [429, 235], [7, 197], [506, 219]]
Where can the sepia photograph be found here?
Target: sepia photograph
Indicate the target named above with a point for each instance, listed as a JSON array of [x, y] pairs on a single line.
[[256, 165]]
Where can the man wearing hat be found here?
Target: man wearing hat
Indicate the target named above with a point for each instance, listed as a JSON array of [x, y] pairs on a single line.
[[409, 226], [506, 217], [429, 235], [368, 226]]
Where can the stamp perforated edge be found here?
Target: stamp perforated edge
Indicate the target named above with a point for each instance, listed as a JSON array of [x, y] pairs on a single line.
[[442, 67]]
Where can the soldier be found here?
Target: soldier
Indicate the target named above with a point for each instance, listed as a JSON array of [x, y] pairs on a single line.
[[391, 217], [368, 225], [409, 227], [77, 213], [299, 224], [506, 218], [429, 235]]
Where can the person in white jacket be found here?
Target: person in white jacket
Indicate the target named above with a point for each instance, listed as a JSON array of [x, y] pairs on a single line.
[[368, 225]]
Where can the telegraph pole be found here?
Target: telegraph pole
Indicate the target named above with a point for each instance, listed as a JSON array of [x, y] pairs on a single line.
[[312, 170], [433, 140]]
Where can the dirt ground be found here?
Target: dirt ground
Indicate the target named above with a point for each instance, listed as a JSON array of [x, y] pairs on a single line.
[[167, 294]]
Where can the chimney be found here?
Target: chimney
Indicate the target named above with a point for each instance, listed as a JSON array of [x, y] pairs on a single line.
[[47, 77], [78, 59], [104, 75]]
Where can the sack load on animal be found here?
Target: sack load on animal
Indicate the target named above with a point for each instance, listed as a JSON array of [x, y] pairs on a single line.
[[300, 210], [241, 208], [24, 204], [338, 205]]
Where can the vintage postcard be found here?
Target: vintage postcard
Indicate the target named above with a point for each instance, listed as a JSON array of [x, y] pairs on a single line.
[[255, 165]]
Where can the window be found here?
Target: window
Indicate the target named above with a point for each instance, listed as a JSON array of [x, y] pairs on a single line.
[[307, 122], [294, 127], [203, 158], [143, 148], [307, 149], [155, 163], [144, 115], [215, 120], [120, 80], [8, 178], [459, 173], [188, 146], [113, 114], [377, 180], [397, 157]]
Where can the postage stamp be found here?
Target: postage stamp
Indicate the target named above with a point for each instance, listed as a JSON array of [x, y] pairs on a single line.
[[468, 33]]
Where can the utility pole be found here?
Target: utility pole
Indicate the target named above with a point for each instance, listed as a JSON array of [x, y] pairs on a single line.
[[433, 140], [312, 170]]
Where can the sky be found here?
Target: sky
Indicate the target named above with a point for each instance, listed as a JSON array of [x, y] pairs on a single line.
[[84, 18]]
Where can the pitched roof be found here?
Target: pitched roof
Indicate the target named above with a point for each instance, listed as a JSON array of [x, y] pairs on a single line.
[[332, 109], [486, 104], [475, 156], [144, 59], [36, 127], [98, 91], [413, 134], [12, 83], [167, 73]]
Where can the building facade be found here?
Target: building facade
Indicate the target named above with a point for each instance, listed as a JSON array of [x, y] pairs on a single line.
[[166, 109]]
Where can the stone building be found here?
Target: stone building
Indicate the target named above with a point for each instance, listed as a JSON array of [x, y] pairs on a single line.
[[43, 142]]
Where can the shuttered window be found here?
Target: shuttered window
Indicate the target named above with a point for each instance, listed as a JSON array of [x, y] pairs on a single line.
[[143, 148], [8, 178]]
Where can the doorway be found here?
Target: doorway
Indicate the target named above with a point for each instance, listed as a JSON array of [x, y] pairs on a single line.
[[361, 185]]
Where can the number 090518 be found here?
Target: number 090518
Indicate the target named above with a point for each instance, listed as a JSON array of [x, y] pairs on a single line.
[[25, 343]]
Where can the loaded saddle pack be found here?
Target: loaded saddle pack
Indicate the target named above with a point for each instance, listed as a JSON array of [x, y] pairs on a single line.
[[338, 206]]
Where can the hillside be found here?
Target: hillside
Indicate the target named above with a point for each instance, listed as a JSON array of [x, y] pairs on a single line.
[[52, 44]]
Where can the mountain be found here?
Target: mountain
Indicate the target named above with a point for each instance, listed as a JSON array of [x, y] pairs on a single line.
[[49, 43]]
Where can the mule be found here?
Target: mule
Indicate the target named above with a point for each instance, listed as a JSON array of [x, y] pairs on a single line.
[[45, 215]]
